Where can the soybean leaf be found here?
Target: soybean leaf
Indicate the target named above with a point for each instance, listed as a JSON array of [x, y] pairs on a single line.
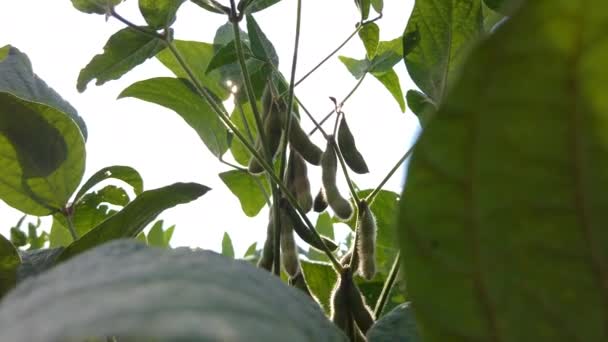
[[521, 176], [159, 14], [356, 67], [388, 54], [370, 36], [260, 45], [364, 6], [197, 56], [131, 220], [246, 188], [9, 263], [258, 5], [42, 153], [125, 50], [209, 6], [36, 262], [324, 226], [436, 41], [378, 5], [95, 6], [397, 325], [227, 248], [503, 6], [18, 78], [180, 96], [390, 80], [158, 237], [226, 55], [219, 299], [126, 174], [421, 105], [141, 237], [320, 278], [36, 240], [251, 251], [59, 236]]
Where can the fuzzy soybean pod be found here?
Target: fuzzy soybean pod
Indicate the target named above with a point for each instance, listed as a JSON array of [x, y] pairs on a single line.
[[289, 251], [347, 259], [329, 168], [320, 203], [300, 141], [273, 131], [340, 310], [302, 230], [361, 313], [267, 257], [299, 282], [351, 154], [297, 180], [366, 243]]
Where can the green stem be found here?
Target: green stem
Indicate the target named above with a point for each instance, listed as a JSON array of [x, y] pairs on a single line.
[[71, 228], [349, 181], [388, 285], [135, 27], [372, 196]]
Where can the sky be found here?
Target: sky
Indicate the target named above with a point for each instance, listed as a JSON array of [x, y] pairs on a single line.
[[60, 41]]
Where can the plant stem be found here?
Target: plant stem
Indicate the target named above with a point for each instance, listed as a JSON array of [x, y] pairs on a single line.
[[135, 27], [71, 228], [388, 285], [341, 103], [349, 181], [370, 198]]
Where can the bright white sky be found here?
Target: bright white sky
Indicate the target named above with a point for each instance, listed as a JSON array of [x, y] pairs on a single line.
[[60, 41]]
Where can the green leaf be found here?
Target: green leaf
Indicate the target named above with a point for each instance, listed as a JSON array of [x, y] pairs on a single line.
[[226, 55], [251, 251], [156, 235], [260, 45], [258, 5], [384, 207], [324, 226], [421, 105], [370, 36], [125, 50], [227, 248], [397, 325], [209, 6], [4, 52], [95, 6], [36, 240], [42, 154], [503, 6], [130, 221], [356, 67], [364, 7], [141, 237], [197, 56], [18, 237], [436, 42], [159, 14], [246, 188], [36, 262], [320, 278], [180, 96], [390, 80], [60, 234], [503, 220], [378, 5], [18, 78], [243, 122], [9, 263], [388, 54], [124, 173], [192, 295]]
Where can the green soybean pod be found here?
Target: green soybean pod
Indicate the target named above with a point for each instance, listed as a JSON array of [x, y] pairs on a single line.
[[289, 252], [366, 242], [320, 202], [361, 313], [300, 141], [299, 282], [340, 310], [351, 154], [267, 257], [302, 230], [297, 180], [273, 131], [329, 168]]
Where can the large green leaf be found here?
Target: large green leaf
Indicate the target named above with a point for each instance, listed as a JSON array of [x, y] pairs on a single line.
[[9, 263], [370, 36], [321, 279], [131, 220], [180, 96], [95, 6], [197, 56], [503, 218], [159, 14], [260, 45], [397, 325], [245, 122], [125, 50], [18, 78], [41, 153], [247, 188], [436, 41], [126, 174], [227, 55], [125, 289], [390, 80]]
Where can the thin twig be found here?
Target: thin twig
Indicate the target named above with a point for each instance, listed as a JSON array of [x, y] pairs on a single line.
[[372, 196], [388, 285]]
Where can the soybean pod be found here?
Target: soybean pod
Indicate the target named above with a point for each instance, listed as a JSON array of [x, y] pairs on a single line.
[[329, 168], [289, 252], [267, 257], [366, 241], [348, 147], [320, 202], [302, 230]]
